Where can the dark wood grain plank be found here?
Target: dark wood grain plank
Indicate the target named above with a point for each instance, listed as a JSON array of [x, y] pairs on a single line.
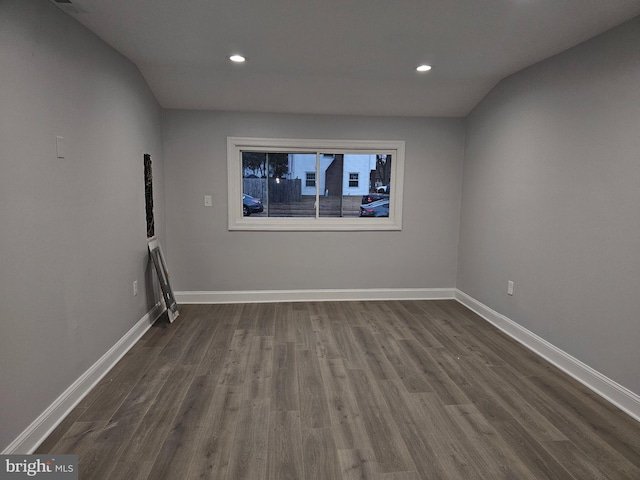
[[325, 343], [285, 329], [180, 445], [185, 335], [249, 452], [341, 402], [348, 425], [343, 345], [78, 438], [530, 451], [384, 319], [211, 457], [305, 333], [408, 314], [388, 446], [406, 369], [248, 317], [513, 403], [409, 425], [453, 451], [285, 446], [146, 441], [266, 321], [118, 382], [497, 457], [258, 382], [97, 462], [370, 350], [319, 455], [617, 453], [581, 466], [216, 355], [314, 411], [126, 419], [437, 378], [354, 466], [284, 392], [235, 365], [198, 347]]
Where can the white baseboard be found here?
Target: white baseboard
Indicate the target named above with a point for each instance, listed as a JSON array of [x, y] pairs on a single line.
[[621, 397], [41, 427], [268, 296]]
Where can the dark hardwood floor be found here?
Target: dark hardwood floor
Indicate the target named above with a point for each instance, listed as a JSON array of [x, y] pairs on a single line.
[[390, 390]]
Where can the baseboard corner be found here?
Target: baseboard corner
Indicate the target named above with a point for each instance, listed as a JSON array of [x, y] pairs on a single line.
[[613, 392], [29, 440]]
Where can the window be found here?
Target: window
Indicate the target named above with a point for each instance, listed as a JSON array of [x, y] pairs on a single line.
[[311, 180], [289, 184], [353, 180]]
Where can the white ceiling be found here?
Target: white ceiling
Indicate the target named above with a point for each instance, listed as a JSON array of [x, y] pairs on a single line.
[[341, 56]]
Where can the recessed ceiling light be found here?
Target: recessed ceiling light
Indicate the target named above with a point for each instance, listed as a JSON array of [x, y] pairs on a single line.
[[237, 58], [423, 68]]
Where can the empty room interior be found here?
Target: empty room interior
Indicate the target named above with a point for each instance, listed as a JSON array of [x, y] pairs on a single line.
[[451, 288]]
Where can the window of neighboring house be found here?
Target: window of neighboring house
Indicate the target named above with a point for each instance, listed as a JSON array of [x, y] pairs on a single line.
[[288, 184], [353, 179], [310, 180]]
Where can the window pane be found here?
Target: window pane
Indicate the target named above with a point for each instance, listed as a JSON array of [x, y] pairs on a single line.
[[254, 184], [376, 202], [348, 180], [280, 181], [330, 184]]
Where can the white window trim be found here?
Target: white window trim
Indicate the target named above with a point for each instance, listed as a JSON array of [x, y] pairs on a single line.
[[235, 146]]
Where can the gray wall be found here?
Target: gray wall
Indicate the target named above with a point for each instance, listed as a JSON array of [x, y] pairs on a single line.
[[551, 196], [72, 230], [203, 255]]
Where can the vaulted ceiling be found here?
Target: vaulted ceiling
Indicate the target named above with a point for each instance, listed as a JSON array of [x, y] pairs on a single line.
[[340, 56]]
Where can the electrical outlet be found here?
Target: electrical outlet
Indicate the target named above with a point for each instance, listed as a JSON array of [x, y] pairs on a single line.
[[135, 288], [208, 201], [510, 287]]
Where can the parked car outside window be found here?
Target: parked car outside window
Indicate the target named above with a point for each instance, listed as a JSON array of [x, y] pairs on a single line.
[[379, 208], [251, 205]]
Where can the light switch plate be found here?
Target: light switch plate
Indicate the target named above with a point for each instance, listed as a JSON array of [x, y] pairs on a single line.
[[207, 201], [60, 150]]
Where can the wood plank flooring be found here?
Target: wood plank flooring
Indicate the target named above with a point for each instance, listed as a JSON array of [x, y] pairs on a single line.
[[388, 390]]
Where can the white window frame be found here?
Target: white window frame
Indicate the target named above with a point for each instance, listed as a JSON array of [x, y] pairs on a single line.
[[236, 145]]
